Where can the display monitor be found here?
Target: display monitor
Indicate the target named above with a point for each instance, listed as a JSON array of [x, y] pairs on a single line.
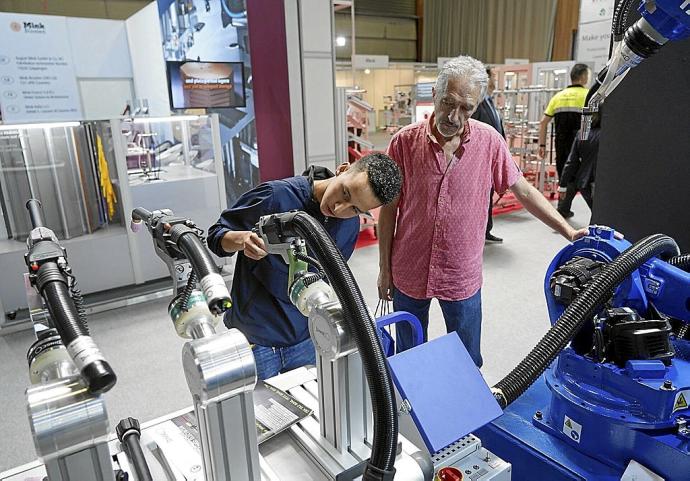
[[206, 84]]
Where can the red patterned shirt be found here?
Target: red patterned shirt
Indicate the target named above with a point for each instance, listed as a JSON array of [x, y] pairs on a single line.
[[443, 208]]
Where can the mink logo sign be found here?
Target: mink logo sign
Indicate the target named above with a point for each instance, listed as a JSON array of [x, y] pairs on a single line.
[[34, 27]]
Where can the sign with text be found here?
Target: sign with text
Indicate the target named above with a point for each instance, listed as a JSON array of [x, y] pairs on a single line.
[[37, 79], [370, 61], [593, 43], [596, 11]]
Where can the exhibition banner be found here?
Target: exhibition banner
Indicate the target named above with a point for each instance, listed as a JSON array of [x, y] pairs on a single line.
[[37, 78], [593, 43], [596, 10]]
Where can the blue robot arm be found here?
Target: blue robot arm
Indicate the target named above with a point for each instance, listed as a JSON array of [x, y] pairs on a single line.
[[625, 376], [663, 285], [662, 21]]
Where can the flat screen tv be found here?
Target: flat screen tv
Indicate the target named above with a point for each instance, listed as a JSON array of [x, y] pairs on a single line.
[[206, 84]]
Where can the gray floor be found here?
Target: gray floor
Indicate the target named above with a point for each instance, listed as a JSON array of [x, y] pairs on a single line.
[[143, 349]]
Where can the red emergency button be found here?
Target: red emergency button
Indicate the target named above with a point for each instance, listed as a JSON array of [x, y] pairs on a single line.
[[34, 266], [448, 474]]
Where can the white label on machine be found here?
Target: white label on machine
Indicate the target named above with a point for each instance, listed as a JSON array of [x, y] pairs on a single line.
[[572, 429], [83, 351], [636, 472], [682, 400]]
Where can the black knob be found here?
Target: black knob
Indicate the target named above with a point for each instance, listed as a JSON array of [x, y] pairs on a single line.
[[124, 427]]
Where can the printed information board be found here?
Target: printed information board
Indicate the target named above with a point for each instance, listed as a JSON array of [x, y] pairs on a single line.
[[37, 79]]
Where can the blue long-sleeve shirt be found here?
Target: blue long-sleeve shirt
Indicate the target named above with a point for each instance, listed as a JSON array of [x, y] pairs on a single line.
[[261, 308]]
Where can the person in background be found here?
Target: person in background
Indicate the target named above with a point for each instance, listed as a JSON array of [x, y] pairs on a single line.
[[431, 238], [261, 308], [566, 109], [580, 168], [486, 112]]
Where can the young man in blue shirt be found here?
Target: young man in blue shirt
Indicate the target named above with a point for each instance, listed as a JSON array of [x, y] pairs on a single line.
[[261, 308]]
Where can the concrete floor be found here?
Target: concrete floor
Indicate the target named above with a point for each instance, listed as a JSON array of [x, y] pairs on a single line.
[[142, 347]]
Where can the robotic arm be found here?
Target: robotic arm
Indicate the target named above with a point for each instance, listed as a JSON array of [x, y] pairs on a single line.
[[287, 235], [306, 289], [662, 20], [178, 242], [219, 366], [51, 275]]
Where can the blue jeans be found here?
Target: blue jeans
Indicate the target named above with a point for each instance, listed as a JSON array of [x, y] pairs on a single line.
[[463, 317], [271, 361]]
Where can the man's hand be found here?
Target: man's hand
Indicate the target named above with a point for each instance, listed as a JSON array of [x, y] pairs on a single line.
[[253, 246], [385, 284], [247, 241], [543, 126], [576, 234]]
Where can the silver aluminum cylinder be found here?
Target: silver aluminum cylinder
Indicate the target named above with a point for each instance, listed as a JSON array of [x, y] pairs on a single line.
[[202, 328], [327, 330], [219, 366], [65, 417]]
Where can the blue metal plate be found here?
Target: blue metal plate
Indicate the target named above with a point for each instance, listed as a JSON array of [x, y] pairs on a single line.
[[447, 393]]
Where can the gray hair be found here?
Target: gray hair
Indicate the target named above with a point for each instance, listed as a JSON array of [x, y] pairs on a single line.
[[465, 67]]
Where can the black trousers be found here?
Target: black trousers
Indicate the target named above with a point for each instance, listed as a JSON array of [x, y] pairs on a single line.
[[563, 147], [566, 202]]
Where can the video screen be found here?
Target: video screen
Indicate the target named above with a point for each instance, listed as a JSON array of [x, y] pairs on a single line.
[[206, 84]]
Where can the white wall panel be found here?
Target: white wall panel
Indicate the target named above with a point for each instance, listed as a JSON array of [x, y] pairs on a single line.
[[148, 65], [318, 87], [99, 48], [97, 106], [312, 82], [316, 30]]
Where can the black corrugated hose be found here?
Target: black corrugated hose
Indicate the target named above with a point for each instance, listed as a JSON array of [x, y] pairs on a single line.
[[619, 21], [189, 243], [582, 308], [52, 285], [362, 327], [681, 262]]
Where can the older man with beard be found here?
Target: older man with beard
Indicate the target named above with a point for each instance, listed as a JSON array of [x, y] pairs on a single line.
[[431, 238]]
